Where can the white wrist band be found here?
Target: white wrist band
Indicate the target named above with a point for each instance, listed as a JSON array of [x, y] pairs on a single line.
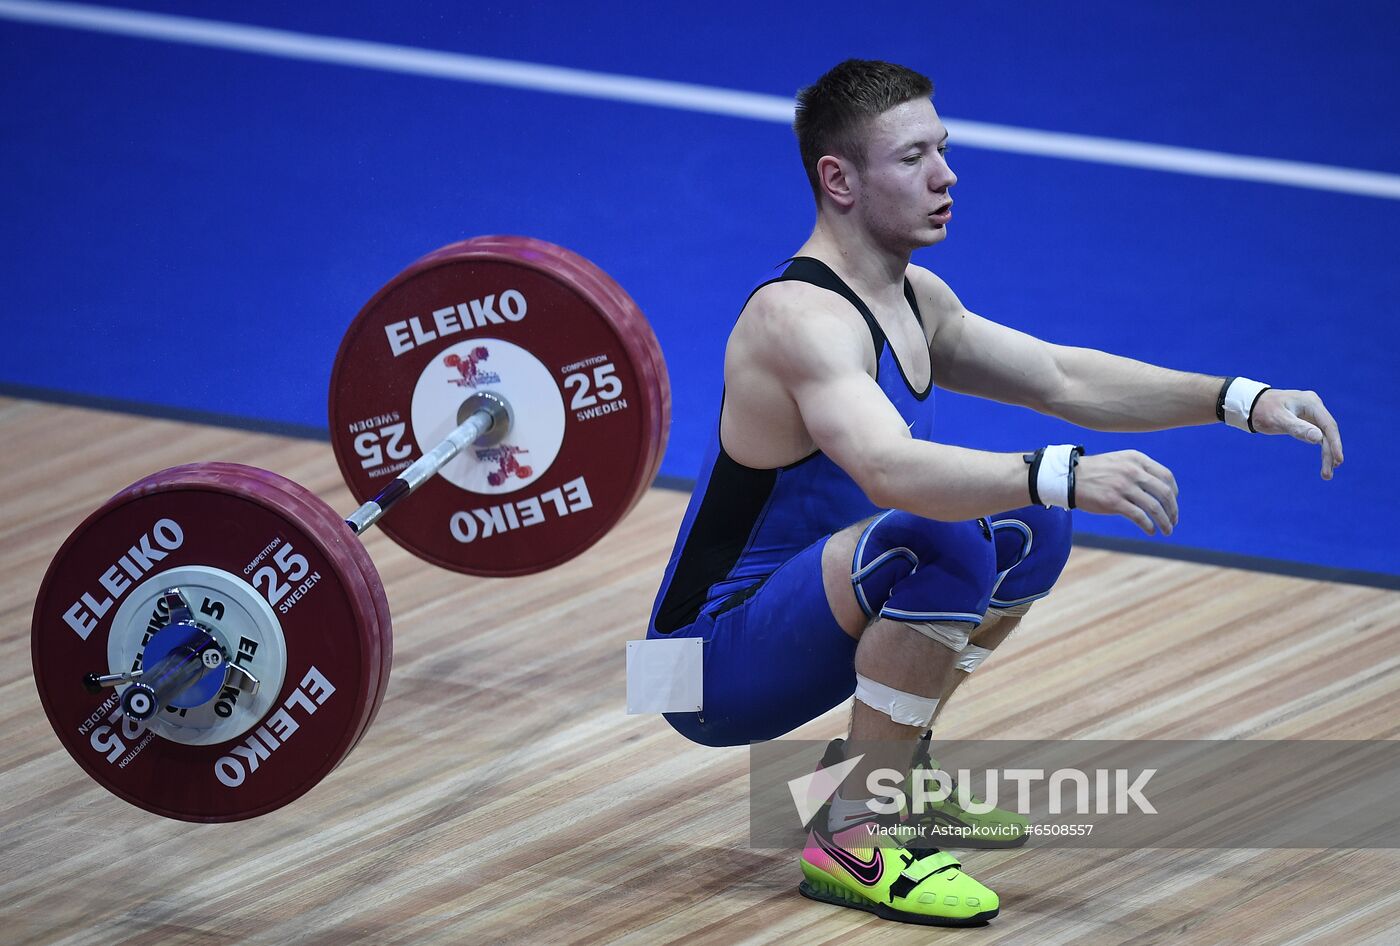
[[1235, 406], [1052, 475]]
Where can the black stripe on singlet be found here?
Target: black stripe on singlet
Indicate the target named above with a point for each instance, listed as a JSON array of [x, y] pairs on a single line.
[[736, 495]]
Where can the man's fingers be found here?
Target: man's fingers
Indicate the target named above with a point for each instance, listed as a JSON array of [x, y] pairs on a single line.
[[1309, 434], [1127, 510], [1323, 430], [1165, 497], [1150, 505], [1306, 432], [1133, 505], [1160, 485], [1330, 431], [1161, 473]]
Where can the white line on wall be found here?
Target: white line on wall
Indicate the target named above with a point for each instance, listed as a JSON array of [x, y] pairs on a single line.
[[462, 67]]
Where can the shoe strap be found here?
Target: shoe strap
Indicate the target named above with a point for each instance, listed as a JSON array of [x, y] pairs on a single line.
[[930, 863]]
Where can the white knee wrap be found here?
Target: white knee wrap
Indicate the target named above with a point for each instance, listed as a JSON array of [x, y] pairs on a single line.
[[971, 657], [951, 634], [907, 709]]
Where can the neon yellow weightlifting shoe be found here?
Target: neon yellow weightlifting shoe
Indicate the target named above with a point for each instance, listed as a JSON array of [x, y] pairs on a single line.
[[948, 824], [864, 868]]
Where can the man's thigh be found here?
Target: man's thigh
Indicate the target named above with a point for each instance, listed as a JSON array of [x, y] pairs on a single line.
[[836, 578], [775, 657]]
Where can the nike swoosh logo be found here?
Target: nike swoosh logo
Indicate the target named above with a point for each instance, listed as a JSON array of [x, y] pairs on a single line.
[[867, 872]]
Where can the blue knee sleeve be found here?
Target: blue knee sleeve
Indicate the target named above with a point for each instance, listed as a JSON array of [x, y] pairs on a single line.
[[916, 570], [1032, 545]]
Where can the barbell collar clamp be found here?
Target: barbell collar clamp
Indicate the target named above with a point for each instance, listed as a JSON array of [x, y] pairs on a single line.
[[242, 680], [179, 608], [500, 411], [175, 673], [94, 682], [484, 418]]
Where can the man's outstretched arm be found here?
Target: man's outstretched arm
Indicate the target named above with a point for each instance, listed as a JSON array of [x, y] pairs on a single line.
[[816, 360], [1098, 390], [1133, 395]]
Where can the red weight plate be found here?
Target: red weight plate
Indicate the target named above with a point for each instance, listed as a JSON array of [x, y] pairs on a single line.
[[557, 338], [306, 507], [384, 623], [330, 523], [640, 338], [275, 568]]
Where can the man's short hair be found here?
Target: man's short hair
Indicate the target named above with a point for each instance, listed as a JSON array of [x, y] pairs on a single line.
[[833, 111]]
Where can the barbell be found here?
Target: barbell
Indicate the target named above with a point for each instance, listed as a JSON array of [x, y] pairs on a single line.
[[214, 640]]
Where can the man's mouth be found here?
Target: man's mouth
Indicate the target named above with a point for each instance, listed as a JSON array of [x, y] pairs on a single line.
[[943, 214]]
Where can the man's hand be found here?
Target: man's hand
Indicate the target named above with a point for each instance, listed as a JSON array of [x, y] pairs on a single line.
[[1129, 484], [1300, 414]]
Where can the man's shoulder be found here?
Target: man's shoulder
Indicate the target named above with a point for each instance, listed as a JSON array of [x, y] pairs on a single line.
[[938, 303], [793, 307], [794, 329], [787, 294], [930, 285]]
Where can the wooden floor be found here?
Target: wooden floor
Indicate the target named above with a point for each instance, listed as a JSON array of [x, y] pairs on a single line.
[[503, 795]]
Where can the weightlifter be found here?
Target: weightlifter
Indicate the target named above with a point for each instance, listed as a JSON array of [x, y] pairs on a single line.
[[833, 546]]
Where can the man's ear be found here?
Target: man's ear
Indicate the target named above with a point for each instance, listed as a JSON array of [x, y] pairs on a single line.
[[838, 178]]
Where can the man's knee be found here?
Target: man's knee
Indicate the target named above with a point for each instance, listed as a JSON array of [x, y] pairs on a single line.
[[935, 576], [1032, 546]]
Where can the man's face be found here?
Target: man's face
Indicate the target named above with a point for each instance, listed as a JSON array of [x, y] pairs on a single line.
[[902, 193]]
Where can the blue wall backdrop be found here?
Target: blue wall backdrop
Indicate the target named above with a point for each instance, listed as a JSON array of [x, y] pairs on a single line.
[[245, 206]]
